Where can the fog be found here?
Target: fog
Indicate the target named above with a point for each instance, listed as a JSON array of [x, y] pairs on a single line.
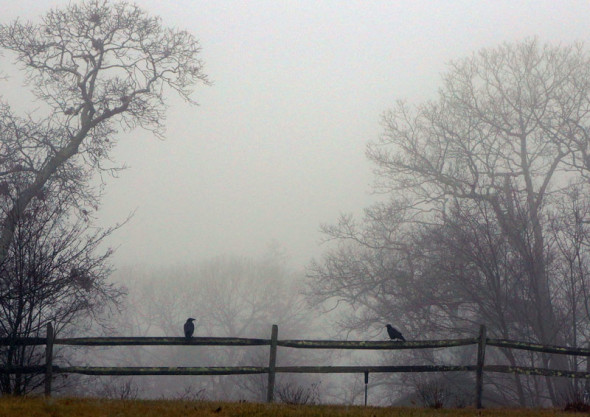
[[276, 145], [275, 148]]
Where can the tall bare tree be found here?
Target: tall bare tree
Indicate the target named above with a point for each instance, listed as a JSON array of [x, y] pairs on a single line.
[[96, 66], [474, 177]]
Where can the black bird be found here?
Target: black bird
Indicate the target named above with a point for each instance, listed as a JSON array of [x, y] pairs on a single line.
[[394, 333], [189, 328]]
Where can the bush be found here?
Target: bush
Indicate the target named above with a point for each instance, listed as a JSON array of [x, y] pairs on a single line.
[[125, 389], [576, 400], [191, 393], [297, 394], [433, 394]]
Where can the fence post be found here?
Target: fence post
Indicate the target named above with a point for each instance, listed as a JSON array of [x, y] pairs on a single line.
[[272, 361], [481, 353], [49, 359], [366, 386], [587, 382]]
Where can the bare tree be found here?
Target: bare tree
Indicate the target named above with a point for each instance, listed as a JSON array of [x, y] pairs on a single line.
[[53, 272], [96, 66], [474, 177]]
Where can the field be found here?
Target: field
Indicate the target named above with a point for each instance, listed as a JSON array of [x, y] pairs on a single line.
[[70, 407]]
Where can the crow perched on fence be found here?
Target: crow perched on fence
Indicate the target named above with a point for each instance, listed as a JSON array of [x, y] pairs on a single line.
[[189, 328], [394, 333]]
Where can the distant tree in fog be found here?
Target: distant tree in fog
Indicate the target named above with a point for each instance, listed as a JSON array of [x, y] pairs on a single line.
[[486, 221], [233, 297]]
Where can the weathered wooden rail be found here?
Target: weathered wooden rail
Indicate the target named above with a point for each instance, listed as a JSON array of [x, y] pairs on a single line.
[[481, 341]]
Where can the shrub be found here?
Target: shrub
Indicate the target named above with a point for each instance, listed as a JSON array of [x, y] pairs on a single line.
[[291, 393]]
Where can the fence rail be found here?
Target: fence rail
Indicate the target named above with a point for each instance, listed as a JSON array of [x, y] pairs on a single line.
[[370, 345], [538, 348], [137, 341], [480, 368]]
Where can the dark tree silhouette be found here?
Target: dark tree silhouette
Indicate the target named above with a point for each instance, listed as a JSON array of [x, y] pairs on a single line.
[[54, 272], [483, 224], [96, 67]]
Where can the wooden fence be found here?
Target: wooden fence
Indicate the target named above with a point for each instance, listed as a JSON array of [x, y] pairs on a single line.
[[479, 368]]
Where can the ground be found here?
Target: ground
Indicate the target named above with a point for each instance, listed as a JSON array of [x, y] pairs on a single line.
[[75, 407]]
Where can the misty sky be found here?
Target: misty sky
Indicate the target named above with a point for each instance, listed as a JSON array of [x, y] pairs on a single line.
[[276, 145]]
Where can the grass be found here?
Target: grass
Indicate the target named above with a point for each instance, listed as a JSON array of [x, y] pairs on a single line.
[[75, 407]]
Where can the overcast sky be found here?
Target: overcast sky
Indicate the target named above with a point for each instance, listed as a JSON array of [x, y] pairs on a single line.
[[276, 145]]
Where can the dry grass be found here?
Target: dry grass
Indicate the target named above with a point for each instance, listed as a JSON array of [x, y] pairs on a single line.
[[70, 407]]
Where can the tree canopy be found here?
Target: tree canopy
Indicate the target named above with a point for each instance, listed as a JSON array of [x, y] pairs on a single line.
[[95, 67], [486, 218]]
